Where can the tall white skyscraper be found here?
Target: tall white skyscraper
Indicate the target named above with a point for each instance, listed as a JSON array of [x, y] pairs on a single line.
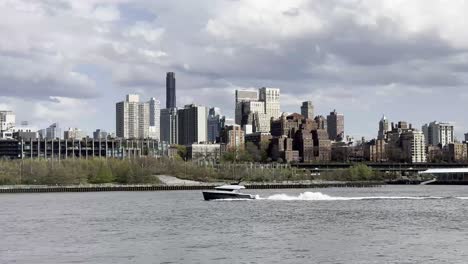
[[414, 146], [7, 120], [438, 133], [155, 118], [133, 118], [271, 98]]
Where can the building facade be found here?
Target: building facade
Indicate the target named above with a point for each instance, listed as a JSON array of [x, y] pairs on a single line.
[[233, 137], [154, 119], [376, 151], [74, 133], [271, 99], [7, 121], [243, 96], [170, 90], [457, 152], [413, 145], [135, 119], [216, 121], [384, 127], [204, 152], [335, 126], [307, 110], [193, 125], [170, 126], [52, 132], [100, 134], [438, 133]]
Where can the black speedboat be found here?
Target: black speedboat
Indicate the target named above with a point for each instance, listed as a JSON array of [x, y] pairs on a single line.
[[227, 192]]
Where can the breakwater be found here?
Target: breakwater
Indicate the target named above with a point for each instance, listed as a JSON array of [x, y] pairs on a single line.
[[134, 188]]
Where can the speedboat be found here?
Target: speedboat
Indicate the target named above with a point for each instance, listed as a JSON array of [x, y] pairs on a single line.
[[227, 192]]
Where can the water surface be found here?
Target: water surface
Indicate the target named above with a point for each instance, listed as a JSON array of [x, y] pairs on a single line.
[[395, 224]]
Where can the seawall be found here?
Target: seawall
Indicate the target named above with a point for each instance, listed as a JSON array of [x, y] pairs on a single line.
[[134, 188]]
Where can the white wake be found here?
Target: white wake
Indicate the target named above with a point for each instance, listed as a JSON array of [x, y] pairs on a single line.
[[318, 196]]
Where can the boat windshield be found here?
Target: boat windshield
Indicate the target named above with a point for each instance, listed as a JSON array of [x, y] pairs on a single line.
[[230, 188]]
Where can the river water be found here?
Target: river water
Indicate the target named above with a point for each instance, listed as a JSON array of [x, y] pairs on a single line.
[[394, 224]]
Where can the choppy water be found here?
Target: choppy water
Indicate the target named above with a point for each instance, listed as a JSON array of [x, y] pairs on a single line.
[[398, 224]]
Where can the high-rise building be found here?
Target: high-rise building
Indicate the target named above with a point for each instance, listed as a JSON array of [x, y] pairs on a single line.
[[192, 124], [413, 145], [169, 126], [466, 137], [438, 133], [155, 117], [52, 132], [384, 127], [271, 98], [170, 90], [241, 97], [100, 134], [216, 122], [307, 110], [457, 152], [321, 122], [335, 126], [233, 136], [7, 120], [74, 133], [132, 118]]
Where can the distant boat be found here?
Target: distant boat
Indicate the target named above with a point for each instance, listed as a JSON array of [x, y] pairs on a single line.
[[227, 192]]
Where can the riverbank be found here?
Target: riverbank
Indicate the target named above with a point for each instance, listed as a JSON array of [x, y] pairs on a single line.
[[199, 186]]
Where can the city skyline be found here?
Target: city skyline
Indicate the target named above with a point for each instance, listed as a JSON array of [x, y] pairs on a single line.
[[411, 71]]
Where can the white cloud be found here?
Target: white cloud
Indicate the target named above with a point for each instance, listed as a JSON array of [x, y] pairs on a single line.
[[145, 31], [106, 13]]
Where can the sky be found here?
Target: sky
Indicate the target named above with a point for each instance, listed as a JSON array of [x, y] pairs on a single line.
[[70, 61]]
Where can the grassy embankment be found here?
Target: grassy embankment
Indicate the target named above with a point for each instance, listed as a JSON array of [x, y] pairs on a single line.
[[143, 170]]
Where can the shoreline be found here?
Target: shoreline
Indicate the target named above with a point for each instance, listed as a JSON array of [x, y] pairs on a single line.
[[201, 186]]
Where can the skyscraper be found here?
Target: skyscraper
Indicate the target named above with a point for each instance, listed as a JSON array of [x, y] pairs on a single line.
[[192, 124], [7, 120], [215, 123], [169, 126], [307, 110], [335, 125], [321, 122], [438, 133], [241, 97], [271, 98], [170, 90], [384, 127], [155, 116], [132, 118]]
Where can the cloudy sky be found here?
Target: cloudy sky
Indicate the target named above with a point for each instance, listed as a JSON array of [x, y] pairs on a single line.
[[69, 61]]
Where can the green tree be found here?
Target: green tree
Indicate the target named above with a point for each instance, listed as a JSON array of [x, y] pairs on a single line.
[[104, 175], [182, 151], [360, 172]]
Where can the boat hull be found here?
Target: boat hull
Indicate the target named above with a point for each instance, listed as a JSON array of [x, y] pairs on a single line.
[[213, 195]]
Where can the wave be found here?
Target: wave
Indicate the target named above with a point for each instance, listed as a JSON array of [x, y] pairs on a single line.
[[318, 196]]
